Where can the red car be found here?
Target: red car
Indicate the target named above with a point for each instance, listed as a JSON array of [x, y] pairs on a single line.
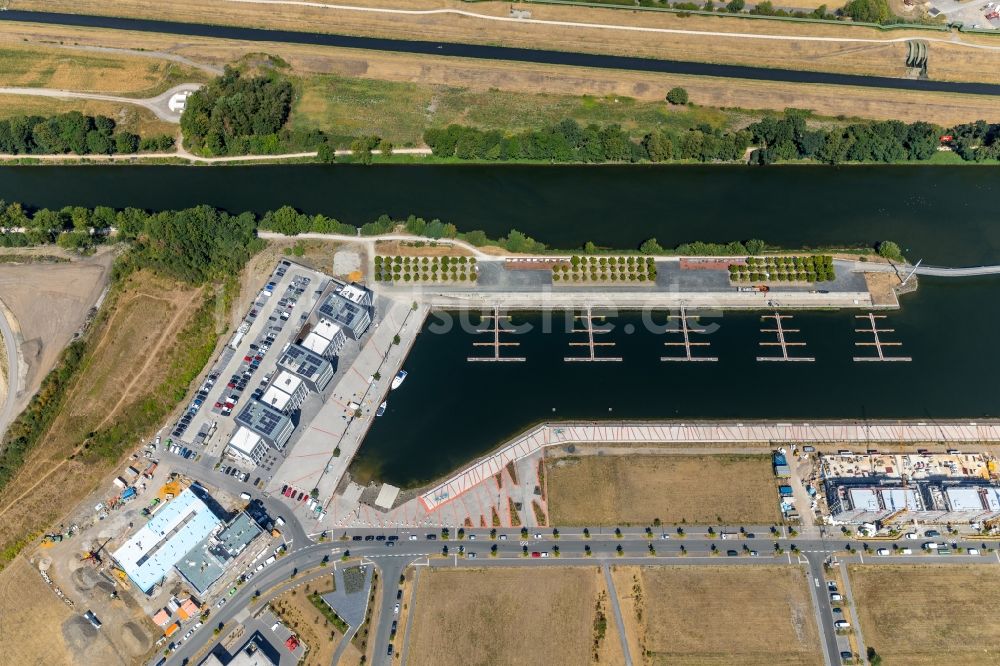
[[536, 554]]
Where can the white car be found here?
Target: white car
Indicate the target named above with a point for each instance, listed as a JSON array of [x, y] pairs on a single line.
[[664, 536], [472, 537], [196, 627], [836, 596], [395, 610], [912, 535], [882, 552], [538, 535], [545, 553], [842, 624], [503, 537], [413, 537], [973, 551], [905, 551]]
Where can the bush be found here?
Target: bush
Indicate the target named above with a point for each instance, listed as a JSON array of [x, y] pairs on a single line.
[[890, 250], [677, 96]]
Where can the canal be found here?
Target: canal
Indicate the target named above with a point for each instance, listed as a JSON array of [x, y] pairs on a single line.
[[449, 411]]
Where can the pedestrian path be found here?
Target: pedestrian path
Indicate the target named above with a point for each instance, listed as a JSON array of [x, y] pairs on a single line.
[[842, 432]]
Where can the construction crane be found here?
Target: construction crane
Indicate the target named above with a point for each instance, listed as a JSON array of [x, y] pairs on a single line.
[[95, 554]]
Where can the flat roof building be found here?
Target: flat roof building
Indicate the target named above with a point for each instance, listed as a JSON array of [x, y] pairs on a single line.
[[257, 651], [350, 307], [326, 339], [312, 368], [248, 445], [270, 423], [165, 539], [207, 561], [286, 392]]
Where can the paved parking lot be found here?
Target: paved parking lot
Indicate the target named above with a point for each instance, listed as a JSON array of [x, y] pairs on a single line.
[[243, 368]]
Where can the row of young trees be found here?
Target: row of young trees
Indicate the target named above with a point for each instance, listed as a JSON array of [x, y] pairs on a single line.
[[73, 132]]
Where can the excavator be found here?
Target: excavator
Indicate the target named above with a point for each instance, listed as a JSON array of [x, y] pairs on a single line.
[[94, 556]]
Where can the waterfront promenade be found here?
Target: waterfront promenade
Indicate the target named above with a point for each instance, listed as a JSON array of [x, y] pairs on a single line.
[[835, 432]]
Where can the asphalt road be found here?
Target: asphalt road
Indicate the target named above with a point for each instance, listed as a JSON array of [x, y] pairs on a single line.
[[158, 105], [694, 549], [13, 374], [490, 52]]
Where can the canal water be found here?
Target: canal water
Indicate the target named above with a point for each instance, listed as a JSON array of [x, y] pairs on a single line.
[[449, 410], [945, 215]]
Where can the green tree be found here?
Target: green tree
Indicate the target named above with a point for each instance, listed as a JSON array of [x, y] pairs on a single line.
[[679, 96], [890, 250], [868, 11], [126, 142], [650, 246]]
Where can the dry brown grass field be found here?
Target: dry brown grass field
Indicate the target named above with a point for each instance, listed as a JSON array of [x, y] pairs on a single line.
[[69, 69], [718, 615], [614, 489], [948, 61], [529, 78], [29, 605], [511, 616], [920, 615], [133, 352]]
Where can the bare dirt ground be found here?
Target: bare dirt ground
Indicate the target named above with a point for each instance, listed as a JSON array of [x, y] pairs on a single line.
[[632, 488], [921, 614], [520, 77], [511, 616], [134, 348], [49, 303], [881, 285], [407, 249], [716, 616], [132, 354]]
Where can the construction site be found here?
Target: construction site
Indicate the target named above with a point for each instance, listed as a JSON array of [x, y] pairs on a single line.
[[940, 488]]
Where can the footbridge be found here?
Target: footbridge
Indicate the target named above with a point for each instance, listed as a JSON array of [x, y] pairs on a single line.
[[937, 271], [847, 433]]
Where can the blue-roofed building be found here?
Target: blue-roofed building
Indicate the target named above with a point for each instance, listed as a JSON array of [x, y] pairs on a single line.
[[168, 536]]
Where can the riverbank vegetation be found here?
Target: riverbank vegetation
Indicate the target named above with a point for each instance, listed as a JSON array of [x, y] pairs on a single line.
[[204, 243], [776, 139], [72, 132]]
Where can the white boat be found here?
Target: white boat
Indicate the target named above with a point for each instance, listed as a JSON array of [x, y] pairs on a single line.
[[381, 409], [398, 379]]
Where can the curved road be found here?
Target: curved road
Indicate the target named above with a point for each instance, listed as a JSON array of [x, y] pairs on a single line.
[[158, 105], [488, 52]]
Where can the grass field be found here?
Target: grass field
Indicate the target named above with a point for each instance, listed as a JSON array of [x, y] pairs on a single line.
[[614, 489], [139, 354], [511, 616], [127, 116], [920, 615], [66, 69], [716, 616], [401, 112], [484, 76], [29, 604], [948, 61]]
